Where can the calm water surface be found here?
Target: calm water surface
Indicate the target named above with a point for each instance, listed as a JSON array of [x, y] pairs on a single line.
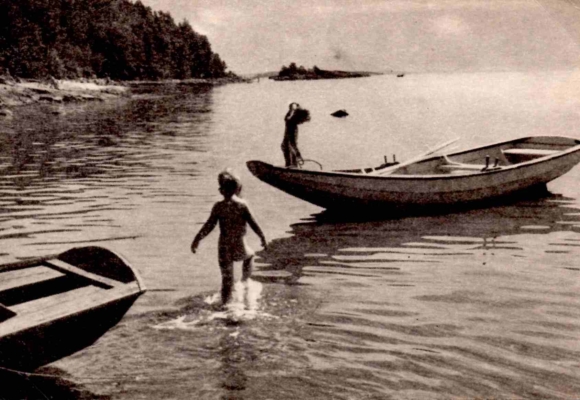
[[477, 304]]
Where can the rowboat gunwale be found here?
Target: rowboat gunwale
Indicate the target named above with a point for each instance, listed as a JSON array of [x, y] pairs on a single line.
[[455, 176], [29, 262]]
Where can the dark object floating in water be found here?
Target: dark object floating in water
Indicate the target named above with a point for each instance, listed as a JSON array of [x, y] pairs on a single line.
[[339, 114], [400, 75], [470, 176], [54, 306]]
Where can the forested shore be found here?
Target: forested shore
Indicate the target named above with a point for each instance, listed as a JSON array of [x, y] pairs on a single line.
[[108, 39]]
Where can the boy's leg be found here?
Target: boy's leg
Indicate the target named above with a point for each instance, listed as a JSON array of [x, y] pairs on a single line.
[[292, 157], [227, 270], [286, 152], [247, 268]]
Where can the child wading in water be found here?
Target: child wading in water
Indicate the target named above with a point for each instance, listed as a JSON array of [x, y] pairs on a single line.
[[233, 214]]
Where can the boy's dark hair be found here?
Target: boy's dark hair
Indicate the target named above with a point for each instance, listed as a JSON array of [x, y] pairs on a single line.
[[229, 183]]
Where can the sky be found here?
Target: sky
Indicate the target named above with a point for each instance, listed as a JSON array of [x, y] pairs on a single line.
[[254, 36]]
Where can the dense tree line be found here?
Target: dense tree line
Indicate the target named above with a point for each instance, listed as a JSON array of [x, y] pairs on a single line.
[[117, 39], [292, 69]]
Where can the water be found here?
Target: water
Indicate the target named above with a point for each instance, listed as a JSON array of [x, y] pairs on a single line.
[[478, 304]]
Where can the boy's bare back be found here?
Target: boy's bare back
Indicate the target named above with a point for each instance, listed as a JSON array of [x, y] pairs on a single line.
[[232, 214]]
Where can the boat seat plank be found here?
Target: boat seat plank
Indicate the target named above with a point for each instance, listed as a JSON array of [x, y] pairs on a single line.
[[46, 310], [530, 152], [459, 166], [468, 167], [44, 303], [26, 276], [96, 279]]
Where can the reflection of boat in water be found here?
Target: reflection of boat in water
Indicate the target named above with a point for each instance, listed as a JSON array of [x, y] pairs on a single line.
[[317, 241], [53, 306], [470, 176]]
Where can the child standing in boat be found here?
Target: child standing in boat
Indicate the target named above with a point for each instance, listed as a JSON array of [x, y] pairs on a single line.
[[232, 214], [294, 117]]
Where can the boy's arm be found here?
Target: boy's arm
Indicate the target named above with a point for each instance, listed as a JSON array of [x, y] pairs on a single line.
[[289, 115], [255, 227], [205, 229]]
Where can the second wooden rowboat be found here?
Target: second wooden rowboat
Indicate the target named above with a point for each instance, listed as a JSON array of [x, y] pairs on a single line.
[[53, 306], [474, 175]]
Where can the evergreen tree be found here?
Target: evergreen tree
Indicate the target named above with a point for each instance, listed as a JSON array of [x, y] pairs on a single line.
[[100, 38]]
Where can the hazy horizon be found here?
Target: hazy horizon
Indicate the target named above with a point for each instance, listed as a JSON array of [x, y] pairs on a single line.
[[412, 36]]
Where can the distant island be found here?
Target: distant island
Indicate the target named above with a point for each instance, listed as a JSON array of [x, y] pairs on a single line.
[[294, 73]]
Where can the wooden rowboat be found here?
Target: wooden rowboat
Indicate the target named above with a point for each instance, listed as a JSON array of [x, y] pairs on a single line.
[[53, 306], [465, 177]]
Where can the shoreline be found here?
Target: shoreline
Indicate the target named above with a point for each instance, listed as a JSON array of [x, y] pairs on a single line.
[[20, 92], [191, 81], [313, 77], [16, 93]]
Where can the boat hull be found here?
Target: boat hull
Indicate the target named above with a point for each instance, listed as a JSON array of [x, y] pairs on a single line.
[[41, 345], [355, 191], [54, 306]]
